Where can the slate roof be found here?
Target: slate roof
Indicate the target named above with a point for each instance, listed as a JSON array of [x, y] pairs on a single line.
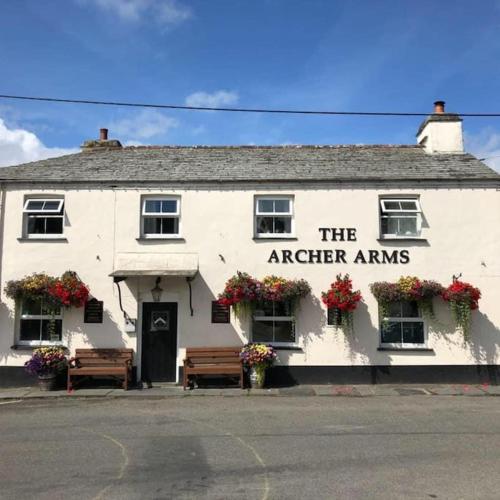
[[231, 164]]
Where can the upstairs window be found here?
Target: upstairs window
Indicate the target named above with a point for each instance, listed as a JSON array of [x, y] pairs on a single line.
[[160, 217], [273, 216], [38, 325], [400, 218], [273, 322], [43, 218], [403, 327]]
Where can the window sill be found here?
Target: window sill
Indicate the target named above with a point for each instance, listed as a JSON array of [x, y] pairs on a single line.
[[55, 239], [287, 348], [409, 238], [406, 349], [31, 347], [177, 239], [275, 238]]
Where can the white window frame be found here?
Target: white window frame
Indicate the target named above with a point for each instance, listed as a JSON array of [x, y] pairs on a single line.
[[39, 317], [415, 214], [404, 345], [290, 213], [289, 319], [53, 213], [161, 215]]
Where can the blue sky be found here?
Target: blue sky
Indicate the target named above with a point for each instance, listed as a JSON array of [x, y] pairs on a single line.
[[393, 55]]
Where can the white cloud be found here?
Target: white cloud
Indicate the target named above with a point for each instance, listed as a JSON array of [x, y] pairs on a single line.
[[21, 146], [144, 125], [166, 12], [485, 144], [216, 99]]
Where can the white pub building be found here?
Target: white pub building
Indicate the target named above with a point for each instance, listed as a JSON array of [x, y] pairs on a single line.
[[155, 233]]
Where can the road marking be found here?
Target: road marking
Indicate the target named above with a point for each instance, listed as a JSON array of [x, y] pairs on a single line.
[[259, 459], [10, 402], [124, 464]]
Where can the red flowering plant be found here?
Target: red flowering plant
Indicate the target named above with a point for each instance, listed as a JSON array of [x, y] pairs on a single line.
[[407, 288], [241, 292], [463, 299], [343, 300], [69, 290]]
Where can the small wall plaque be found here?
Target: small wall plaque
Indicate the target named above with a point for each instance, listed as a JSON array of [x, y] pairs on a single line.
[[334, 318], [93, 312], [220, 313]]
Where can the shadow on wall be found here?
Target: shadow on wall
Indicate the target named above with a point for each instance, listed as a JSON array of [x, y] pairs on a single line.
[[97, 335], [211, 334]]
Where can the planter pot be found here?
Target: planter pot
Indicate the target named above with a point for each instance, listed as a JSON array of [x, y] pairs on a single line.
[[257, 376], [47, 382]]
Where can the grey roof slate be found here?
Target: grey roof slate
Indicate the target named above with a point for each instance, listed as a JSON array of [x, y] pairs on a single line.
[[251, 164]]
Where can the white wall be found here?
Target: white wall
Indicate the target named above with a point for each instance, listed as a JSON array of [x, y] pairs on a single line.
[[461, 227]]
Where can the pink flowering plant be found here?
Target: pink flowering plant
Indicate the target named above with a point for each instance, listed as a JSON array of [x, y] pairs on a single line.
[[46, 361], [407, 288], [243, 292]]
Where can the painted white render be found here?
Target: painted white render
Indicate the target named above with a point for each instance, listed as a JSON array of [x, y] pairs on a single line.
[[460, 234], [442, 137]]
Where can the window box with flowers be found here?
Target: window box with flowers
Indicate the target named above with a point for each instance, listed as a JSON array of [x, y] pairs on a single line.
[[40, 300], [403, 307], [271, 302]]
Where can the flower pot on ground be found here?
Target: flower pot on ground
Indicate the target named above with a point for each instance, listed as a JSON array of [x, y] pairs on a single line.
[[256, 359], [46, 363]]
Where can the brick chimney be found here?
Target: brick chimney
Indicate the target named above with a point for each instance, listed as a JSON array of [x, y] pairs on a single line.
[[441, 132], [103, 143]]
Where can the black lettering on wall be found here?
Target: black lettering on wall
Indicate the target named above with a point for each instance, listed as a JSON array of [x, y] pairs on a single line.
[[337, 233], [314, 255], [404, 257], [340, 257], [287, 256], [389, 258], [298, 257], [324, 231], [328, 256], [373, 256], [351, 234], [273, 259], [360, 258]]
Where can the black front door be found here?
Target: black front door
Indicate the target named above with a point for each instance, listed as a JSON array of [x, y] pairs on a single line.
[[159, 341]]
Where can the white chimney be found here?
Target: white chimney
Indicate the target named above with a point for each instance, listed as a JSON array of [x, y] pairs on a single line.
[[441, 132]]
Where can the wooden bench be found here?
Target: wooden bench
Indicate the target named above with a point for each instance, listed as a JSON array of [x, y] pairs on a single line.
[[223, 361], [93, 362]]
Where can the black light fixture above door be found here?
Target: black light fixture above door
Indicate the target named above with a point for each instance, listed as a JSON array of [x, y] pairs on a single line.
[[157, 290]]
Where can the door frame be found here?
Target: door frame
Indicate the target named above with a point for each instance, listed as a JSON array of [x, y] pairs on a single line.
[[140, 316]]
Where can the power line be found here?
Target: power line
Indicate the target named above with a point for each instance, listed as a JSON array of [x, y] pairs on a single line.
[[232, 110]]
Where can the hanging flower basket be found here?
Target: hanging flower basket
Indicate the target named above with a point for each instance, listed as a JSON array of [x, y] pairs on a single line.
[[243, 292], [407, 288], [65, 291], [343, 300], [463, 299]]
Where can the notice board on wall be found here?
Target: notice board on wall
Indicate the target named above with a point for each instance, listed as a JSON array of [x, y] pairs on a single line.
[[220, 312], [93, 312]]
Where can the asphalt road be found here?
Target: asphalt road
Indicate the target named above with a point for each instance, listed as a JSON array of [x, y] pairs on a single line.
[[223, 448]]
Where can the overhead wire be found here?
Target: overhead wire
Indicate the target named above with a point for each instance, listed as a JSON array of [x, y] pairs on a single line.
[[232, 110]]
